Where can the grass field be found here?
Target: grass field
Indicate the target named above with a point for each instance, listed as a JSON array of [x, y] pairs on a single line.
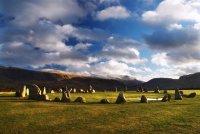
[[21, 116]]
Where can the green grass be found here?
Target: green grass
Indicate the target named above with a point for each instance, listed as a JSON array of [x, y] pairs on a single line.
[[21, 116]]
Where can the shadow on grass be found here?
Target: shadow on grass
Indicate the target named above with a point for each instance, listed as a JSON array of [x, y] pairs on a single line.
[[181, 104]]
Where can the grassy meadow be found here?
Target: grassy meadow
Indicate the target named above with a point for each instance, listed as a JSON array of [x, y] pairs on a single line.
[[21, 116]]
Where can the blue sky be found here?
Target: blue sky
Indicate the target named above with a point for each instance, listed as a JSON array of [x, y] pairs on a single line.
[[142, 39]]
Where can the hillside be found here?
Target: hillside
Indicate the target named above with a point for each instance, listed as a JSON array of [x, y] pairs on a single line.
[[191, 81], [14, 78]]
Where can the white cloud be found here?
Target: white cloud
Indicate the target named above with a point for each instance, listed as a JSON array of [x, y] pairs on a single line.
[[27, 55], [123, 50], [109, 1], [174, 11], [197, 26], [175, 27], [175, 63], [105, 69], [42, 45], [160, 59], [114, 12], [27, 13], [83, 46]]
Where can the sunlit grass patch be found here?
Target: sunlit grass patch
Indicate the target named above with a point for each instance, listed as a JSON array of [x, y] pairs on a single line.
[[26, 117]]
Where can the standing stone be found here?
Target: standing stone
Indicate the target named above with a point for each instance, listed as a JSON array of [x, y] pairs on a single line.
[[141, 89], [44, 97], [93, 91], [34, 92], [81, 90], [23, 94], [121, 99], [60, 90], [146, 90], [144, 99], [74, 90], [165, 91], [27, 92], [56, 99], [116, 90], [126, 89], [105, 101], [137, 90], [157, 90], [90, 90], [178, 95], [165, 98], [181, 92], [80, 99], [192, 95], [65, 97], [169, 97], [18, 93], [44, 91]]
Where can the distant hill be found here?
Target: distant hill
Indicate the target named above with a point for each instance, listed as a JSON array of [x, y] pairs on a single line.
[[191, 81], [14, 78]]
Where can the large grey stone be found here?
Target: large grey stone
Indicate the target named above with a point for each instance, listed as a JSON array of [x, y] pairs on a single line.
[[104, 101], [56, 99], [192, 95], [80, 99], [121, 99], [34, 92], [178, 95], [143, 99], [65, 97]]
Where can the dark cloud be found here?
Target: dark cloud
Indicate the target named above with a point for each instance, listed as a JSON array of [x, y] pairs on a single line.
[[184, 56], [164, 39]]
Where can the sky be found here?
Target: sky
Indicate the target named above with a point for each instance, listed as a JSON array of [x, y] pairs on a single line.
[[141, 39]]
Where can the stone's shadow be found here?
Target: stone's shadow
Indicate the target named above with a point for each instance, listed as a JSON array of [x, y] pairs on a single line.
[[13, 99], [181, 104], [1, 101], [8, 97]]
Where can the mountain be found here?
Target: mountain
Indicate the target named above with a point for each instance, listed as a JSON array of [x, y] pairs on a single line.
[[14, 78], [191, 81]]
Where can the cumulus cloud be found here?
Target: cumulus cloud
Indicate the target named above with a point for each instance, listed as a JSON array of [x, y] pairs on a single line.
[[178, 52], [176, 62], [105, 69], [114, 12], [83, 46], [23, 55], [27, 13], [123, 50], [173, 68], [160, 59], [175, 40], [174, 11], [175, 27], [109, 1], [42, 44]]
